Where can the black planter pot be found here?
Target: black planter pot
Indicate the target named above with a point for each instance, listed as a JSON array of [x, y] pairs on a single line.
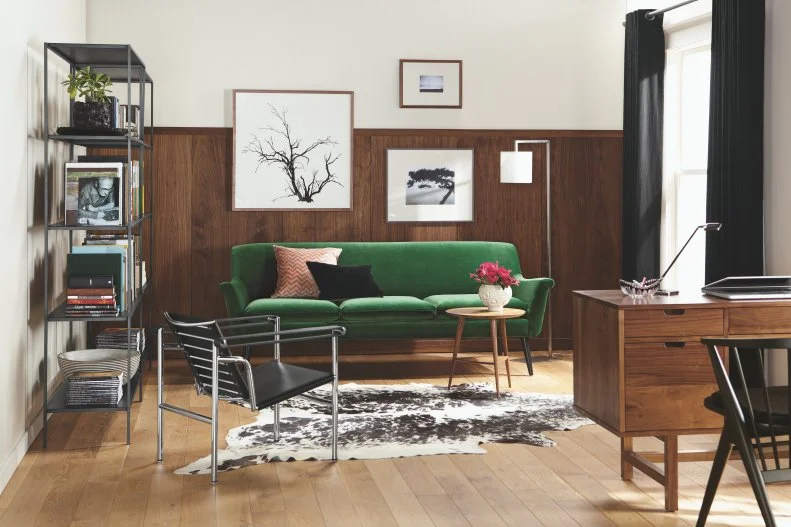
[[93, 115]]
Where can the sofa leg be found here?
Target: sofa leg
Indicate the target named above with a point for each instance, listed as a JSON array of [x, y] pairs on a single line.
[[528, 355], [246, 352]]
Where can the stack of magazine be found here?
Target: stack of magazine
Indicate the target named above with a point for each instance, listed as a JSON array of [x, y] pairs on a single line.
[[95, 388], [116, 338]]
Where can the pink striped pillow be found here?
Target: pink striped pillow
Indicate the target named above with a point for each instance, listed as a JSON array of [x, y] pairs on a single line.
[[294, 279]]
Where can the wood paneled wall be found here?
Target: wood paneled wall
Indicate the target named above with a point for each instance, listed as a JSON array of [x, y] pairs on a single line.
[[195, 227]]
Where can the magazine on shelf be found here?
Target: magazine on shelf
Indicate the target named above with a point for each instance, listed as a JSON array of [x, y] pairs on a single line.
[[94, 193]]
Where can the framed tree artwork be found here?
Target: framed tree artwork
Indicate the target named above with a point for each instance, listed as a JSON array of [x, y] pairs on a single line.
[[429, 185], [292, 150], [429, 83]]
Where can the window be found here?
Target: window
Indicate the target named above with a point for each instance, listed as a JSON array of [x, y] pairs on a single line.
[[686, 130]]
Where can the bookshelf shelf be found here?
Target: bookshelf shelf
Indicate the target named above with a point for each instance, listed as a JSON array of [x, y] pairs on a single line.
[[60, 226], [104, 141], [128, 72], [57, 403]]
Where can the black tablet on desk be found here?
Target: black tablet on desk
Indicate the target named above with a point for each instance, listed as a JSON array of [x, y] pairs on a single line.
[[750, 287]]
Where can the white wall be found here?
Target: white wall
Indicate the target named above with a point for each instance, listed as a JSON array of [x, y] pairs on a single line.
[[24, 27], [777, 147], [528, 64]]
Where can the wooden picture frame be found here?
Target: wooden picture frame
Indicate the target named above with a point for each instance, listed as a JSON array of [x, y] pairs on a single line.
[[424, 83], [292, 150]]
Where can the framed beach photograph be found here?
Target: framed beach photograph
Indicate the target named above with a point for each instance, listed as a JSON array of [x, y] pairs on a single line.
[[94, 193], [292, 150], [429, 185], [429, 83]]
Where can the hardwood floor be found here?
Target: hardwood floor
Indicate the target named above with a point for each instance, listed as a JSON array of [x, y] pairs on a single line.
[[89, 477]]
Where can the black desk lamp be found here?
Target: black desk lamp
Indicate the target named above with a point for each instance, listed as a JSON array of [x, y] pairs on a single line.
[[705, 227]]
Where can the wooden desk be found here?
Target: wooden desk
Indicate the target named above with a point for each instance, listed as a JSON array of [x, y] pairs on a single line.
[[640, 369]]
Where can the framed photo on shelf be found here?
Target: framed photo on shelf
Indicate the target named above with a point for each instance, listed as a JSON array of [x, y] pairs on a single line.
[[94, 193], [430, 185], [292, 150], [429, 83]]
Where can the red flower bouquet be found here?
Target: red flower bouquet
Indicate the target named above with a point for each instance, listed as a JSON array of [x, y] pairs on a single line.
[[489, 273]]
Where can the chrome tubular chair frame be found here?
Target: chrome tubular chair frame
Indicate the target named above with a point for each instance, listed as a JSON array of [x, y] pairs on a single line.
[[218, 337]]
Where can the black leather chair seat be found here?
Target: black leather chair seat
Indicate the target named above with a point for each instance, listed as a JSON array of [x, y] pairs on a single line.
[[276, 381], [778, 400]]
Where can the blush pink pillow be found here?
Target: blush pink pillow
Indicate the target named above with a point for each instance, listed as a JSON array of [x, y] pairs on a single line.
[[294, 279]]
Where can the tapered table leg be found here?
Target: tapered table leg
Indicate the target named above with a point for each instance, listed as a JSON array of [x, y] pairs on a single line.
[[456, 349], [504, 337], [493, 329]]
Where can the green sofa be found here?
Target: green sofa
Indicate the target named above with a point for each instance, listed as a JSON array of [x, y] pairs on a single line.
[[420, 281]]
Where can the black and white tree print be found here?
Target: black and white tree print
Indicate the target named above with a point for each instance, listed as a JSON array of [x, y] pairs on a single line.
[[431, 186], [279, 146]]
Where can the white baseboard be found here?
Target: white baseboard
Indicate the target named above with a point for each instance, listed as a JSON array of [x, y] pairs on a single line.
[[14, 458]]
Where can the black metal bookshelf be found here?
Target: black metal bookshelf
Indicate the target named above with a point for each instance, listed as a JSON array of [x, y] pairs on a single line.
[[122, 65]]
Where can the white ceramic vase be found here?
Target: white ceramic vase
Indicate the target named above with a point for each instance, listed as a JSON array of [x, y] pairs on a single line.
[[494, 297]]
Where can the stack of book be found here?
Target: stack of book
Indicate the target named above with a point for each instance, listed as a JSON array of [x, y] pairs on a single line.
[[91, 296], [95, 388], [116, 338]]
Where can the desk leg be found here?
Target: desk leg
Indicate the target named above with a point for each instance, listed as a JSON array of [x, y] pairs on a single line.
[[671, 473], [627, 471], [456, 349], [493, 329], [642, 461]]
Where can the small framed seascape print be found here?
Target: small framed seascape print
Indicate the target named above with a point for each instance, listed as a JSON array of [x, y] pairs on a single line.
[[429, 185], [429, 83]]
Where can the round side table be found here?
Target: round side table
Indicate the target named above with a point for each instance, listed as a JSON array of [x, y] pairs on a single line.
[[463, 313]]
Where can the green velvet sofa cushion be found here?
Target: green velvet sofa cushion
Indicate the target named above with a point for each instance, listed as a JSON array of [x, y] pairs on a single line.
[[387, 308], [445, 302], [437, 328], [295, 309]]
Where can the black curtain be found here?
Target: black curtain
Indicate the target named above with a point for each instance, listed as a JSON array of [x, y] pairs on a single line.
[[644, 72], [736, 158], [736, 127]]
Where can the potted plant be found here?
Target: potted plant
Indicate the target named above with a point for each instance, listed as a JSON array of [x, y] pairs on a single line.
[[96, 111], [496, 282]]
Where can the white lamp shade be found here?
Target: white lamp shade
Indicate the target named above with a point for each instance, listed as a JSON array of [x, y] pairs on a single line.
[[516, 167]]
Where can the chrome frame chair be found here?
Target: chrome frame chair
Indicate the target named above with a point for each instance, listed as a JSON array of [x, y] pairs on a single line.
[[754, 418], [207, 345]]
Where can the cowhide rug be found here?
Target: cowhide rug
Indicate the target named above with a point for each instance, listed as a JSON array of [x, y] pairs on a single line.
[[387, 421]]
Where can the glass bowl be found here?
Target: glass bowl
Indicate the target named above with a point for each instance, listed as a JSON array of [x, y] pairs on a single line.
[[637, 289]]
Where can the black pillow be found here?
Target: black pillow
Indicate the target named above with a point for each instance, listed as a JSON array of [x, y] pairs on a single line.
[[338, 282]]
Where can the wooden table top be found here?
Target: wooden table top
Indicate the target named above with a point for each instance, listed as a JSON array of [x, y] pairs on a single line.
[[483, 312], [690, 299]]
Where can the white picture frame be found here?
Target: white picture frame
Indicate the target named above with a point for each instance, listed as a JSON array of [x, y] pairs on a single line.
[[430, 83], [94, 194], [292, 150], [430, 184]]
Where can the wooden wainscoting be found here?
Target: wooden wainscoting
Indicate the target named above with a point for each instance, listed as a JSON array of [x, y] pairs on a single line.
[[195, 227]]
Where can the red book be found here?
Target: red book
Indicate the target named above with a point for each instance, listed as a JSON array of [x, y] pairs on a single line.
[[91, 301], [95, 291]]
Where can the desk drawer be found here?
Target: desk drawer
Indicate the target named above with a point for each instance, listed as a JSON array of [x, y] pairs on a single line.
[[673, 322], [759, 320], [667, 364], [665, 384]]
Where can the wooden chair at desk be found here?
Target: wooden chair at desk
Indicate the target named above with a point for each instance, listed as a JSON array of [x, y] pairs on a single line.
[[754, 418]]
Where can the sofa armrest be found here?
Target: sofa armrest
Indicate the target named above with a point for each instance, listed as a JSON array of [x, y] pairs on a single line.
[[535, 293], [236, 297]]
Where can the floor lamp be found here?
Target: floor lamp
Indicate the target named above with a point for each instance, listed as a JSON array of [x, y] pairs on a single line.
[[546, 143]]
